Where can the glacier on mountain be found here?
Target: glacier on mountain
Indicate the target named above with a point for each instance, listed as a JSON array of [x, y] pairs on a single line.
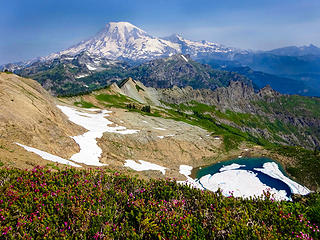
[[124, 41]]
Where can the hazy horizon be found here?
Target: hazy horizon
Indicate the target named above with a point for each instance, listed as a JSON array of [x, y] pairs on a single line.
[[37, 28]]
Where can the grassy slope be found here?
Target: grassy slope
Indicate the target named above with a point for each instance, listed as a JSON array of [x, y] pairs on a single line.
[[99, 204]]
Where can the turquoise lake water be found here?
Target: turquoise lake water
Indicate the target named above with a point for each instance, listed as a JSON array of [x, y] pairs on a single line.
[[250, 164]]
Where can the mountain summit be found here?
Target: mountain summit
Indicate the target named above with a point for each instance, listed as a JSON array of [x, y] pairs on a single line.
[[124, 41]]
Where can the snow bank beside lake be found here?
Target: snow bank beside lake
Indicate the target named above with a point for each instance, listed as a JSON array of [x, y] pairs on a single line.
[[96, 124], [144, 165], [272, 169], [48, 156], [186, 171], [241, 183]]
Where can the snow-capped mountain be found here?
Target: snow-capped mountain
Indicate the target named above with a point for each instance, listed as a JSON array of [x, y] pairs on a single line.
[[124, 41]]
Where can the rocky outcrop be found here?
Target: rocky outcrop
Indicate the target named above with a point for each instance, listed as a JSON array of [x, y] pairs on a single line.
[[137, 91], [234, 97]]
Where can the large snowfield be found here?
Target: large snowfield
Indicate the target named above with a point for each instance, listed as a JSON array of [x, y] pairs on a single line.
[[96, 124]]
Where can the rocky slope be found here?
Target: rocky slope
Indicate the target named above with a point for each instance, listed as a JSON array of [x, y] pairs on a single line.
[[29, 116], [300, 115], [180, 70], [285, 119]]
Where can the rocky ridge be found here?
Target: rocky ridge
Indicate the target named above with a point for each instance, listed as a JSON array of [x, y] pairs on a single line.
[[239, 98]]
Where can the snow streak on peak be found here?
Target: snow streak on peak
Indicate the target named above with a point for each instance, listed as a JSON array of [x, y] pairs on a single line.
[[122, 26]]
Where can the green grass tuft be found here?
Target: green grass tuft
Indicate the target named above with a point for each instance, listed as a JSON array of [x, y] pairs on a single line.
[[84, 104]]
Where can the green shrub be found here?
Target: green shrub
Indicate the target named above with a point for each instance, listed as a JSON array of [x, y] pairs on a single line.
[[139, 88], [84, 104], [146, 109], [131, 106]]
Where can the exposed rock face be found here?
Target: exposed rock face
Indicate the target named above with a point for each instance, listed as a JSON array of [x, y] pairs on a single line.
[[234, 97], [139, 92], [29, 115]]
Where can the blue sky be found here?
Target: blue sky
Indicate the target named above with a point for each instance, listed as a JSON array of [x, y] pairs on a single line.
[[39, 27]]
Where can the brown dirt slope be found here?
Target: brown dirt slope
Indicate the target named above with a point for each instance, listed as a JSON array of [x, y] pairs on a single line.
[[28, 115]]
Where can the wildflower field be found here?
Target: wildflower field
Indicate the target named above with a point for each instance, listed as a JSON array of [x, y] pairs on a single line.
[[101, 204]]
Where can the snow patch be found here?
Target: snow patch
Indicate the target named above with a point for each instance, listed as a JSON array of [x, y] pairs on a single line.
[[159, 128], [48, 156], [144, 166], [96, 124], [231, 167], [185, 58], [272, 169], [82, 75], [186, 171], [169, 135], [90, 67], [240, 183]]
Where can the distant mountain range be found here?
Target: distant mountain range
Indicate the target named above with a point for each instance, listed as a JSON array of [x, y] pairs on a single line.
[[293, 70], [69, 75], [297, 51], [283, 84]]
